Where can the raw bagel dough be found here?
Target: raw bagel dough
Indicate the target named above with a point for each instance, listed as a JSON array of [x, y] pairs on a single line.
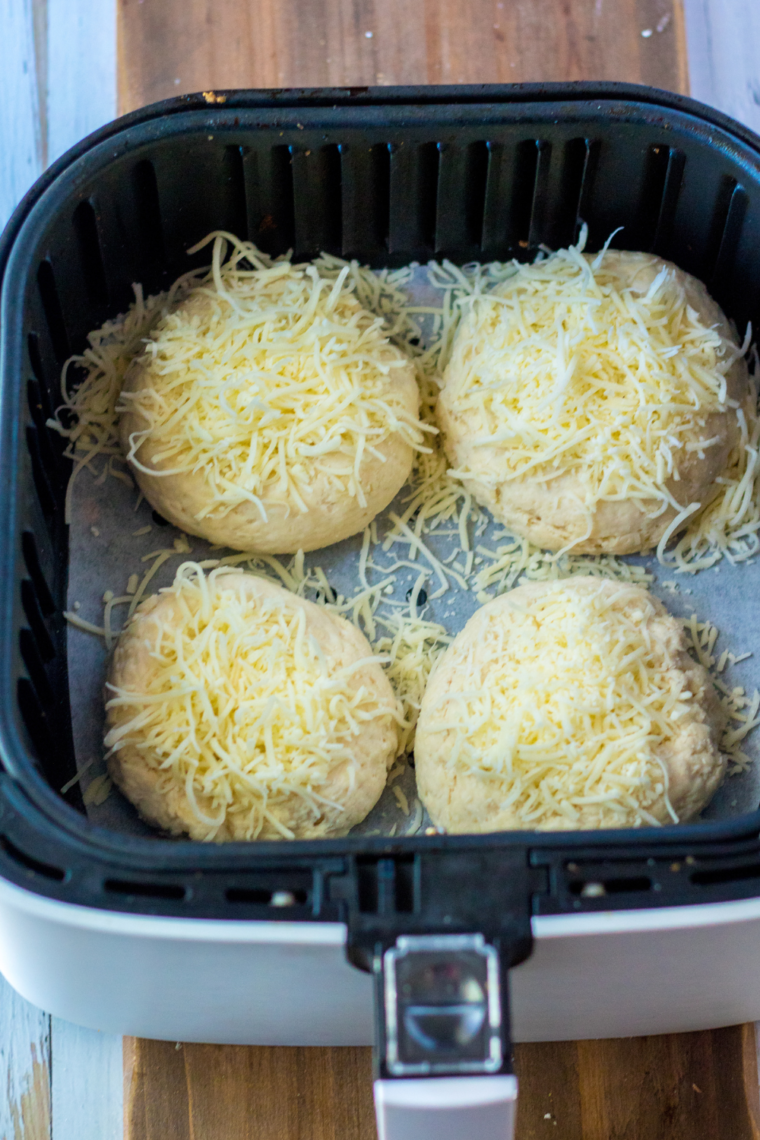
[[162, 800], [549, 511], [462, 800], [331, 512]]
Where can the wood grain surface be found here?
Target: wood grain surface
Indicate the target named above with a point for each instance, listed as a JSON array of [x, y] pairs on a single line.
[[700, 1086], [167, 47], [687, 1086]]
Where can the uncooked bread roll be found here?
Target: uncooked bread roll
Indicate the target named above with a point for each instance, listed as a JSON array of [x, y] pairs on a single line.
[[237, 710], [588, 403], [269, 411], [569, 704]]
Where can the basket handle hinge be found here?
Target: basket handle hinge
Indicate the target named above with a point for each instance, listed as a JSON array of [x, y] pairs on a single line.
[[439, 931]]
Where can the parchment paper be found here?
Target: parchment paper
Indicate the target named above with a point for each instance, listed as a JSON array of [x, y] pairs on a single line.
[[105, 552]]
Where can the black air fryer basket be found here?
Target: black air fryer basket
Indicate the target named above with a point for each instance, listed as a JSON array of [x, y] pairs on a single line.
[[386, 176]]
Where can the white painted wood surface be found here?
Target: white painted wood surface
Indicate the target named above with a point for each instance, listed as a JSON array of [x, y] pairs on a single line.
[[86, 1079], [57, 84], [81, 70], [20, 131], [55, 89], [24, 1069]]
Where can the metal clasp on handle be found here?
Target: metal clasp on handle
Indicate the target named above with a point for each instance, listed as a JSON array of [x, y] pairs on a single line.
[[443, 1045], [442, 1005]]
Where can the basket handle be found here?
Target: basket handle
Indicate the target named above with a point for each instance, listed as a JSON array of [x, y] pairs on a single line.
[[446, 1108]]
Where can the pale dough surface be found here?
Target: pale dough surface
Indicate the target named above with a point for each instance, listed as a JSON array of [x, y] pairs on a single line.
[[460, 802], [332, 514], [162, 801], [549, 511]]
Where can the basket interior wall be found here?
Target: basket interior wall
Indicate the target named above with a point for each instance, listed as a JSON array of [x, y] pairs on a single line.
[[466, 184]]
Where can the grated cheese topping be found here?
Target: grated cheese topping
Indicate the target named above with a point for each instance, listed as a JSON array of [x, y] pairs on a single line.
[[266, 374], [242, 708], [411, 648], [740, 709], [91, 384], [577, 703], [437, 505], [565, 371], [729, 527]]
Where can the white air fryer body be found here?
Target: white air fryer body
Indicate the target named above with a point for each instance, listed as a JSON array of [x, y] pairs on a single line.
[[608, 974]]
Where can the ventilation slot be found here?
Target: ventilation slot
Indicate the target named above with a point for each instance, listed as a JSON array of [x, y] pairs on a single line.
[[35, 360], [591, 149], [365, 197], [598, 888], [42, 486], [726, 875], [262, 897], [461, 196], [53, 313], [234, 182], [570, 193], [663, 175], [269, 193], [381, 181], [525, 190], [32, 561], [148, 209], [406, 891], [34, 718], [725, 230], [427, 192], [540, 205], [31, 864], [36, 621], [49, 447], [413, 201], [387, 886], [317, 200], [668, 202], [477, 175], [86, 230], [146, 890], [44, 490], [34, 667], [367, 887], [34, 399]]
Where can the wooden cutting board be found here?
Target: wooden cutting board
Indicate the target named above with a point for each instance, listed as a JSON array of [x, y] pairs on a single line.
[[684, 1086], [700, 1086]]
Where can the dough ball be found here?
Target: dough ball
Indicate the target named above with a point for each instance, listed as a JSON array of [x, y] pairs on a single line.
[[269, 412], [236, 710], [568, 704], [578, 426]]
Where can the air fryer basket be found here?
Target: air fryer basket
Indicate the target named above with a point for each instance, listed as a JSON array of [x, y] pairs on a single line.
[[387, 176]]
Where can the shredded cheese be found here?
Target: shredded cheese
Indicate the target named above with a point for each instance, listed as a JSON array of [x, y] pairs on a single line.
[[241, 709], [98, 790], [265, 375], [741, 710], [91, 384], [565, 371], [412, 648], [729, 526], [437, 506], [568, 710]]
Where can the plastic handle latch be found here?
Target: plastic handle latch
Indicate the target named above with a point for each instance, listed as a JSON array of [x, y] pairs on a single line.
[[443, 1056]]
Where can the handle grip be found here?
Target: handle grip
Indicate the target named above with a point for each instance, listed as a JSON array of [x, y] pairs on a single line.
[[446, 1108]]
